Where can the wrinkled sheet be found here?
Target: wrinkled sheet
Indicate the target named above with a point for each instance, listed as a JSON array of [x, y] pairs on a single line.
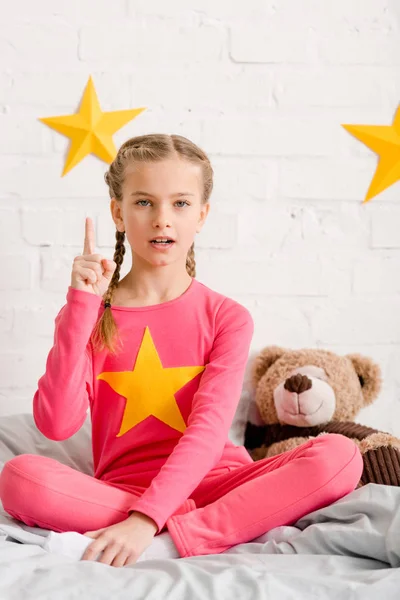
[[350, 549]]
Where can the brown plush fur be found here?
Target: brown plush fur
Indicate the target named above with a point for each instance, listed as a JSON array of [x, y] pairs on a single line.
[[273, 365], [356, 382]]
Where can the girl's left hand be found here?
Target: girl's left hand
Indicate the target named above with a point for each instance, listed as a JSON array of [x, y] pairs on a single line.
[[122, 543]]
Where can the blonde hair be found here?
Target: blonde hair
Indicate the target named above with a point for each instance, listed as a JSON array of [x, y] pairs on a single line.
[[144, 148]]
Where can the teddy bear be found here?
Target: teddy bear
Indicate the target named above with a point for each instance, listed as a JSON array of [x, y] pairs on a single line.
[[300, 394]]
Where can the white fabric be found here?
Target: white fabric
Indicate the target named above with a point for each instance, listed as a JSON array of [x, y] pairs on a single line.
[[73, 544]]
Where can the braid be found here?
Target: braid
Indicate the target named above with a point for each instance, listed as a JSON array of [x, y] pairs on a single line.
[[105, 330], [190, 262], [118, 259]]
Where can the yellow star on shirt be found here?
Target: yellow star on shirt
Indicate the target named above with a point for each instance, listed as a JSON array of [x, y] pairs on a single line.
[[149, 389], [385, 141], [91, 129]]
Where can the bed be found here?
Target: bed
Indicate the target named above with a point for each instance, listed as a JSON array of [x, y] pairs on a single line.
[[350, 549]]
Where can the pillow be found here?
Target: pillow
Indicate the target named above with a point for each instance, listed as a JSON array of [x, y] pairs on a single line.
[[19, 435], [246, 406]]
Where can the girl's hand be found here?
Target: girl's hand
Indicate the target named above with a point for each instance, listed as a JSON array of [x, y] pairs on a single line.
[[91, 272], [122, 543]]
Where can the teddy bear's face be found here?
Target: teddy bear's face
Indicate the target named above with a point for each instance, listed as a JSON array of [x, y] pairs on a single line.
[[305, 398], [306, 388]]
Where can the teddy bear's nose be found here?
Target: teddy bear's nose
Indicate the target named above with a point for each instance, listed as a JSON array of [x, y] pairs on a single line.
[[298, 383]]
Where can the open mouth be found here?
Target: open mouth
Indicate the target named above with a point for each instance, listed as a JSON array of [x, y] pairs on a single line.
[[162, 246]]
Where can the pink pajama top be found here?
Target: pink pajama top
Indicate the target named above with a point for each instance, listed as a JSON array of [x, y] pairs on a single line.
[[161, 409]]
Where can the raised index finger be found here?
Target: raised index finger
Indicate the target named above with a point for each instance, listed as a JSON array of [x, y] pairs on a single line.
[[88, 247]]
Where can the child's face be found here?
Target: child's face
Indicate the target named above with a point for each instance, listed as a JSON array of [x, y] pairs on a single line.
[[158, 212]]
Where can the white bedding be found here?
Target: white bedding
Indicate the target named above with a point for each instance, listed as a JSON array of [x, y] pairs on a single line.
[[350, 549]]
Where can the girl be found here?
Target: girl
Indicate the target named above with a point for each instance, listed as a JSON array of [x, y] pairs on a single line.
[[159, 358]]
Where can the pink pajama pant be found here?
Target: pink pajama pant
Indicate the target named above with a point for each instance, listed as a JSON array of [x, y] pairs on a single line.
[[224, 510]]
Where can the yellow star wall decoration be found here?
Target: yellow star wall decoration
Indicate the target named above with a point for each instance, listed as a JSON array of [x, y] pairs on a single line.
[[90, 129], [149, 389], [385, 141]]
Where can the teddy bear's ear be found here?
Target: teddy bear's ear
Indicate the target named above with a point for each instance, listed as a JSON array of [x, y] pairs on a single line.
[[369, 374], [265, 358]]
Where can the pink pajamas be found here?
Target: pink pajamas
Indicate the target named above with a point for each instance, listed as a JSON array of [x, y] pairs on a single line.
[[225, 509], [161, 411]]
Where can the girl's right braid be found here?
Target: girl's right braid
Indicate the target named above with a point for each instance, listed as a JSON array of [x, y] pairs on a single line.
[[118, 259]]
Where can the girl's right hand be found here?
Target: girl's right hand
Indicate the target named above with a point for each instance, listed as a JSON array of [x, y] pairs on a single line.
[[91, 272]]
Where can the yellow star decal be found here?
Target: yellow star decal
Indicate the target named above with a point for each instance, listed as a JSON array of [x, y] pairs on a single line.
[[91, 129], [149, 389], [385, 141]]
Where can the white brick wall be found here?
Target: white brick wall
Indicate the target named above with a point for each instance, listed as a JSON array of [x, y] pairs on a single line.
[[263, 87]]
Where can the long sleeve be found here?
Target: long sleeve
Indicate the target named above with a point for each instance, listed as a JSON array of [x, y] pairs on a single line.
[[213, 409], [61, 401]]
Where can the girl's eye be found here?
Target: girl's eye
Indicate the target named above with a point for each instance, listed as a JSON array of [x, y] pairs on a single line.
[[181, 201]]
